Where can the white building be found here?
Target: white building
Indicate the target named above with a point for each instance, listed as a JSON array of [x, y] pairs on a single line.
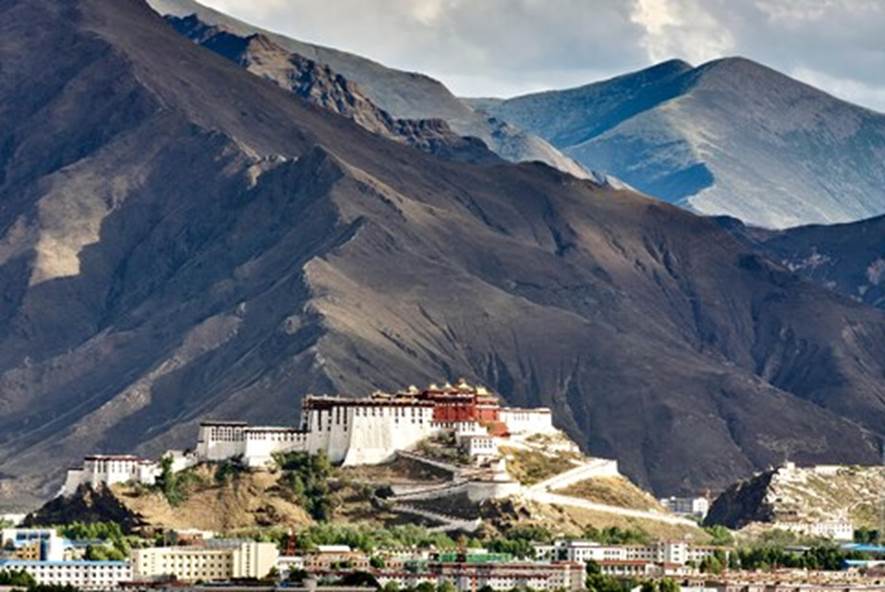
[[85, 575], [41, 544], [110, 469], [286, 564], [349, 431], [368, 430], [481, 446], [838, 529], [216, 560], [663, 552], [528, 421], [687, 506], [472, 576]]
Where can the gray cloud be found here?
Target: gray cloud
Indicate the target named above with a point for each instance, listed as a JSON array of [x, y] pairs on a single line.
[[506, 47]]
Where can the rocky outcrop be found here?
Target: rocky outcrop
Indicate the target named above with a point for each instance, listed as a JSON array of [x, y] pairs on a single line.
[[791, 494], [320, 85], [402, 94], [743, 503], [87, 505]]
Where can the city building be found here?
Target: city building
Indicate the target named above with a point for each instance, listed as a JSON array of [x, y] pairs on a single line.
[[838, 529], [469, 576], [33, 544], [287, 564], [84, 575], [331, 557], [214, 560], [658, 552], [110, 469], [687, 506]]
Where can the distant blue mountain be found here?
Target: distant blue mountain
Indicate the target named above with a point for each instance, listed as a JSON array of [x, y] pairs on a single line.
[[729, 137]]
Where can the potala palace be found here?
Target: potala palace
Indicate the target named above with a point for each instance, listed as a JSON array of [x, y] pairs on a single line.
[[351, 431]]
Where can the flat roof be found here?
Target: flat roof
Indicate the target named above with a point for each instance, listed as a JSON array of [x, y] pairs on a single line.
[[223, 423], [78, 562]]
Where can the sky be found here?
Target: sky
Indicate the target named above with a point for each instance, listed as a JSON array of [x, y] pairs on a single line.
[[508, 47]]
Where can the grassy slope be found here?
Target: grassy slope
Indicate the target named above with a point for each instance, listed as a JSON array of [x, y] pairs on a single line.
[[614, 491]]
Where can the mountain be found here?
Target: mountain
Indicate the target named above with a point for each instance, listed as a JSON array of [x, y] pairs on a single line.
[[730, 137], [181, 239], [404, 95], [848, 258], [322, 86]]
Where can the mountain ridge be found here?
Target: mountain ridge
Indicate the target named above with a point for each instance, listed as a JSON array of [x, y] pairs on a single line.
[[729, 137], [201, 244], [405, 95], [325, 88]]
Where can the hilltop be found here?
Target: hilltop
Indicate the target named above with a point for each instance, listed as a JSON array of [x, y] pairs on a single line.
[[429, 487]]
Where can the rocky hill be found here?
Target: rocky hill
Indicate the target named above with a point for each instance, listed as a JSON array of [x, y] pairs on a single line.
[[226, 497], [790, 494], [404, 95], [728, 137], [181, 239]]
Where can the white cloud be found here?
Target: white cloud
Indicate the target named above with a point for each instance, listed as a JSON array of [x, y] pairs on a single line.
[[501, 47], [680, 28]]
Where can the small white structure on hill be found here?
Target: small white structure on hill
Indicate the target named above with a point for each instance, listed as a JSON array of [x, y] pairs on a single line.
[[838, 529], [110, 469], [687, 506]]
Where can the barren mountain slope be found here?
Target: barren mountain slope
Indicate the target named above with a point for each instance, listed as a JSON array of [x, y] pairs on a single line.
[[406, 95], [320, 85], [848, 258], [181, 239]]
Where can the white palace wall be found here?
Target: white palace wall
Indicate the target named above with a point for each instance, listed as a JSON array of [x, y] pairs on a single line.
[[527, 421], [348, 434], [376, 433]]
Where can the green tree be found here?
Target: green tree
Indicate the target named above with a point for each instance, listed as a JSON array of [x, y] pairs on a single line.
[[604, 583], [425, 587], [377, 562], [711, 565], [446, 586], [720, 535], [865, 535], [16, 578], [168, 483], [617, 536], [305, 479]]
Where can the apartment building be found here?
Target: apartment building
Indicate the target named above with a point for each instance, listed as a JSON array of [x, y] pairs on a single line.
[[216, 560], [84, 575]]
